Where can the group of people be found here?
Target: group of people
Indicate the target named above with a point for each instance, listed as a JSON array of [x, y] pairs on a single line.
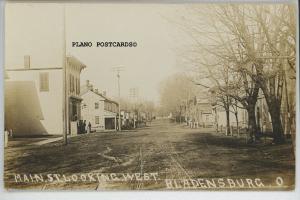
[[83, 127]]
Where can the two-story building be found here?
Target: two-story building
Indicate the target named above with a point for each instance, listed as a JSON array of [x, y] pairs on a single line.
[[35, 98], [98, 109], [199, 112]]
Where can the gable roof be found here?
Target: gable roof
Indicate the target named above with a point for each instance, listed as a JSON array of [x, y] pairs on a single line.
[[86, 90], [91, 91]]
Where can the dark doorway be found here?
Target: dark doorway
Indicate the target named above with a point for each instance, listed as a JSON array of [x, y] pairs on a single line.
[[110, 123]]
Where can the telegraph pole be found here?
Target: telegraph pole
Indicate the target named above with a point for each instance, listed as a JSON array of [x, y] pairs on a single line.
[[118, 75], [65, 89], [133, 93], [118, 69]]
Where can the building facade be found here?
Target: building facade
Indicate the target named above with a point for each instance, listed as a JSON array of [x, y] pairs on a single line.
[[34, 98], [98, 109], [199, 113]]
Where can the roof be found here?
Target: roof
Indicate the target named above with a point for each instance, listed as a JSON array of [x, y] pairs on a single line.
[[29, 69], [203, 101], [77, 62], [112, 101], [99, 94], [69, 58]]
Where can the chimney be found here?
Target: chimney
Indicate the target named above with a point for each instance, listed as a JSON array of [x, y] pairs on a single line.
[[104, 93], [96, 90], [90, 87], [27, 62]]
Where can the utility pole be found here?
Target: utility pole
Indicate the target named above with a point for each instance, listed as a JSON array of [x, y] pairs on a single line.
[[65, 88], [133, 93], [118, 69], [118, 75]]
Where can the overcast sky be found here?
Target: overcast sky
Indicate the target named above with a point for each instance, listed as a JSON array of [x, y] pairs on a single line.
[[37, 30]]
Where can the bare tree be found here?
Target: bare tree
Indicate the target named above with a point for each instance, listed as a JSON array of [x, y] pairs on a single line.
[[175, 92], [267, 54], [257, 42]]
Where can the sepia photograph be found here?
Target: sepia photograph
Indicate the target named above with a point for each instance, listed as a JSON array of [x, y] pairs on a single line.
[[150, 96]]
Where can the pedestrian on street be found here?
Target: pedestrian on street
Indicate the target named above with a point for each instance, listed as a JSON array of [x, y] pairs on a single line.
[[6, 134], [78, 127], [84, 126], [90, 127]]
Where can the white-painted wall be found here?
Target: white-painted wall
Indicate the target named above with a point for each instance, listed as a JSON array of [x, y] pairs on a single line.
[[88, 111], [49, 102], [242, 117]]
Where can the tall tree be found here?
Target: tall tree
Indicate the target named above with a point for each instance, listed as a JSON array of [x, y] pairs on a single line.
[[257, 42]]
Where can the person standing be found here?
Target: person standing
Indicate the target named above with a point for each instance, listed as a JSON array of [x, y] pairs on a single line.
[[6, 134], [80, 127], [84, 126], [89, 127]]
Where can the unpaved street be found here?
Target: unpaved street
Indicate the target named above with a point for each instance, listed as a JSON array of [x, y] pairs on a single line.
[[162, 155]]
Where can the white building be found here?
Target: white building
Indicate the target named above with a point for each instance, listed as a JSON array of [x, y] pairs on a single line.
[[34, 98], [200, 111], [97, 109]]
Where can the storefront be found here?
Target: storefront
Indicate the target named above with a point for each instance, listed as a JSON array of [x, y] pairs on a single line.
[[74, 114]]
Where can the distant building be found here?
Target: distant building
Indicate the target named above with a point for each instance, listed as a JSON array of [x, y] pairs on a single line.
[[263, 120], [98, 109], [220, 114], [200, 112], [34, 98]]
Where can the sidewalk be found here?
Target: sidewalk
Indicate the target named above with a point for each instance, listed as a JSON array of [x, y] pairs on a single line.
[[42, 140], [46, 141]]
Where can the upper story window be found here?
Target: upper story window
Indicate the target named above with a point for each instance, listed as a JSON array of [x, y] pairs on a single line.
[[113, 108], [75, 83], [83, 105], [97, 120], [70, 82], [73, 87], [44, 81], [96, 105], [77, 86]]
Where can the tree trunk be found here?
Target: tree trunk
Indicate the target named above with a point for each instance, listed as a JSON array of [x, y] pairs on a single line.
[[216, 120], [273, 102], [237, 123], [278, 135], [227, 122], [251, 122], [180, 117]]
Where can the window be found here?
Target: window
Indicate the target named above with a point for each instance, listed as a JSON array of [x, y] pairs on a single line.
[[70, 83], [97, 120], [44, 82], [77, 86], [96, 105]]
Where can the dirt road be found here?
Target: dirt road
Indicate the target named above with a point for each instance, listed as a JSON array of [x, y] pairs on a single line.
[[160, 156]]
